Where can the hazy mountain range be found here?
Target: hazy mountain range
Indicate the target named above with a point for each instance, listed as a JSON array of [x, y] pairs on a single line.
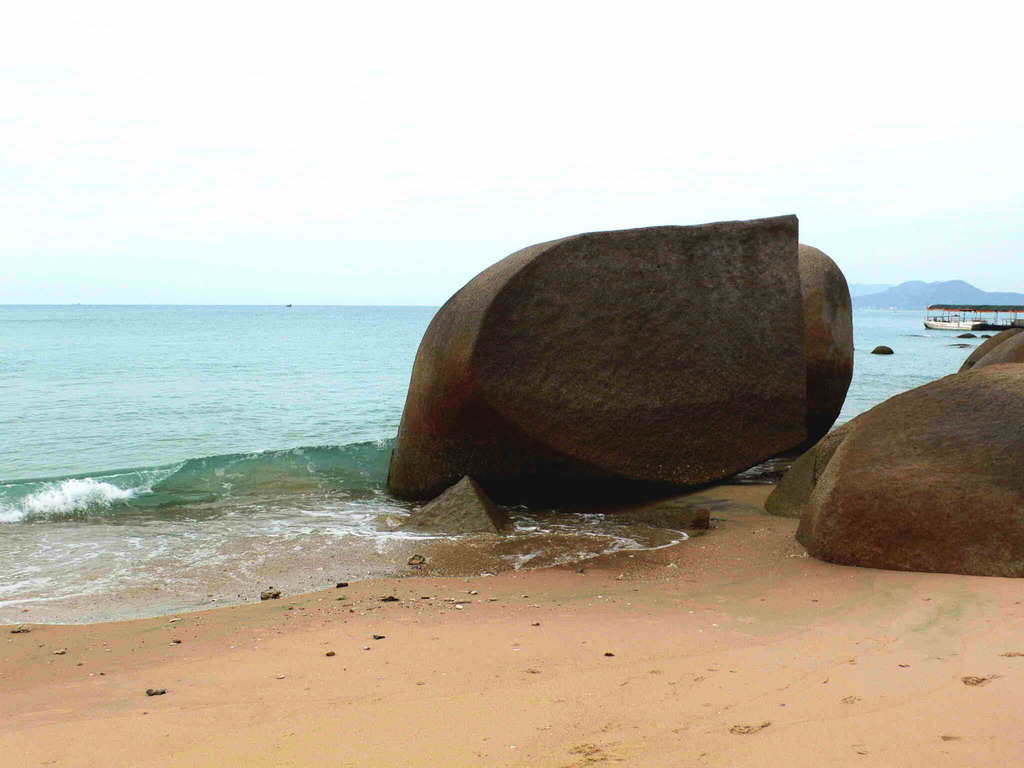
[[862, 289], [917, 294]]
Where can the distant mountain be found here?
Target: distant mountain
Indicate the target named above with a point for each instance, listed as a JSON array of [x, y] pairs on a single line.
[[918, 295], [863, 289]]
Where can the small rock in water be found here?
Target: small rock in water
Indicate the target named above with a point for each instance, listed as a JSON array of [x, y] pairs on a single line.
[[156, 691], [417, 560], [270, 594], [882, 350]]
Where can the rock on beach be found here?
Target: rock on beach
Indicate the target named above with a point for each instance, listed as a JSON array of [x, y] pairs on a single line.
[[608, 362], [930, 480], [463, 508], [989, 346], [828, 329]]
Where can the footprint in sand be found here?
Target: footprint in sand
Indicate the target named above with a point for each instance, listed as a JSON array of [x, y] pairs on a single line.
[[974, 680], [743, 730]]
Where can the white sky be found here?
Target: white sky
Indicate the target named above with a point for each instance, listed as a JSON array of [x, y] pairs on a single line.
[[384, 153]]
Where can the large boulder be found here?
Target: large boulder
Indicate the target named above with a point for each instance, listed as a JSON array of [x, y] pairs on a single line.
[[930, 480], [828, 328], [789, 499], [463, 508], [988, 346], [1010, 351], [609, 361]]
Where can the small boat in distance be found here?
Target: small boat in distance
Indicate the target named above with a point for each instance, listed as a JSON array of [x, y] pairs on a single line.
[[974, 317], [287, 305]]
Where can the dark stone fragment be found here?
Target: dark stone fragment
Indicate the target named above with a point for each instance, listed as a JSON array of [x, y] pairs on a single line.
[[463, 508], [882, 350]]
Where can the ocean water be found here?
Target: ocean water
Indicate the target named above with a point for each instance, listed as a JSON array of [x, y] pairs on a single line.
[[156, 459]]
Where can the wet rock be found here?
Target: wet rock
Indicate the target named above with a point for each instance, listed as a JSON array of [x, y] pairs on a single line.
[[828, 339], [341, 585], [602, 363], [270, 594], [417, 560], [989, 346], [677, 513], [156, 691], [882, 350], [967, 336], [463, 508], [930, 480]]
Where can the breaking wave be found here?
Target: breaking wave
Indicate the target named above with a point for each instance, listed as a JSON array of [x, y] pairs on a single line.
[[355, 469]]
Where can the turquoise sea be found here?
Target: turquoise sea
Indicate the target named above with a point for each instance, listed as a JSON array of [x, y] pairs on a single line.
[[159, 458]]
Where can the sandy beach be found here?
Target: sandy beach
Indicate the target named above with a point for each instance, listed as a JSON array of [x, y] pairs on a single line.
[[733, 648]]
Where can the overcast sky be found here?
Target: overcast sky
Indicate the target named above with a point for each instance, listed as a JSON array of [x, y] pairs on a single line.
[[384, 153]]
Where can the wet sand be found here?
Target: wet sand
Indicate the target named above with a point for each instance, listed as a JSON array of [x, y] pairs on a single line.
[[731, 649]]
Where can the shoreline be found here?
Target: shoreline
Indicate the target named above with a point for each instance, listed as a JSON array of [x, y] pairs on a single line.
[[711, 637]]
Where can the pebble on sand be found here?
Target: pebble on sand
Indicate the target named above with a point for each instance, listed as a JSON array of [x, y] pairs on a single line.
[[156, 691]]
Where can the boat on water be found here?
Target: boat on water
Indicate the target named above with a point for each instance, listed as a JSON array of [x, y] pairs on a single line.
[[974, 317]]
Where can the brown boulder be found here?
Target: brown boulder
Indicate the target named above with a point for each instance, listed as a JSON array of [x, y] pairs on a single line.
[[930, 480], [1010, 351], [611, 360], [792, 493], [882, 350], [463, 508], [828, 339], [988, 346]]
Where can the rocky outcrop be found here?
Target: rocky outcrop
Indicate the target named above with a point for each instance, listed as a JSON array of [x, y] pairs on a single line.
[[610, 361], [680, 512], [1010, 351], [791, 495], [463, 508], [930, 480], [828, 340], [987, 347], [882, 350]]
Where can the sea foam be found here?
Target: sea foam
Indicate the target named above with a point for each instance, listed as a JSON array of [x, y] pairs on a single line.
[[63, 498]]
